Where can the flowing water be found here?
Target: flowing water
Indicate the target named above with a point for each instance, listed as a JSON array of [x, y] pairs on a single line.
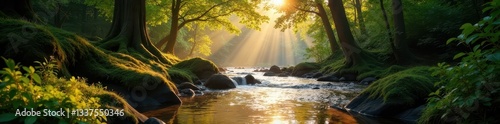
[[277, 100]]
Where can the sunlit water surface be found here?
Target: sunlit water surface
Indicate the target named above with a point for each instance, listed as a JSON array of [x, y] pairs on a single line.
[[277, 100]]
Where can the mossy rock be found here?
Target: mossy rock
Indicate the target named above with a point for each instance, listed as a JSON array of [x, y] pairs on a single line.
[[396, 93], [191, 69], [28, 42], [305, 67]]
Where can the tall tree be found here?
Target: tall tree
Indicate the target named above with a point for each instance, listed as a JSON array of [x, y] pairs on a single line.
[[359, 15], [400, 50], [387, 24], [214, 14], [297, 11], [352, 52], [128, 31]]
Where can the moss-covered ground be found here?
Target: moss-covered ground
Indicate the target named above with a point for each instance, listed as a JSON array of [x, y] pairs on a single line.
[[27, 42], [406, 86]]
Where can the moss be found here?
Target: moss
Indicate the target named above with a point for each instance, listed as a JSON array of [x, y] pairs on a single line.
[[172, 59], [201, 68], [380, 73], [408, 86], [30, 42], [178, 75]]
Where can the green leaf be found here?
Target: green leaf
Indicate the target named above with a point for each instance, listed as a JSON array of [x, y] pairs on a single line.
[[26, 69], [25, 79], [471, 39], [7, 117], [476, 47], [467, 29], [450, 40], [30, 120], [458, 55], [10, 63], [494, 57], [37, 78]]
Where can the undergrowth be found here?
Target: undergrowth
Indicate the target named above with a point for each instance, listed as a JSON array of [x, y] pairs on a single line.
[[39, 88]]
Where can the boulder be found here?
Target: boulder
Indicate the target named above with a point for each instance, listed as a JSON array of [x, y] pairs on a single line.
[[399, 95], [368, 80], [269, 74], [348, 77], [317, 75], [187, 92], [187, 85], [275, 69], [251, 80], [303, 68], [312, 75], [201, 68], [284, 74], [330, 77], [219, 81], [375, 107]]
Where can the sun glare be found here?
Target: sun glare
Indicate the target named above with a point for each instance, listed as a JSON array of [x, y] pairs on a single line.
[[277, 2]]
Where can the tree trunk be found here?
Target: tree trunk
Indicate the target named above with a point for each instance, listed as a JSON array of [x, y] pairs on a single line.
[[352, 52], [128, 31], [401, 51], [387, 25], [194, 41], [171, 39], [328, 27], [361, 22], [18, 9]]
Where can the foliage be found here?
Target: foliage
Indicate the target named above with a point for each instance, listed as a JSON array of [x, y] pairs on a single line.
[[428, 34], [469, 90], [321, 47], [79, 56], [406, 87], [19, 90], [200, 43]]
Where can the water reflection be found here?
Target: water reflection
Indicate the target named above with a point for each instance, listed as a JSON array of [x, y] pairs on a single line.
[[276, 101], [251, 105]]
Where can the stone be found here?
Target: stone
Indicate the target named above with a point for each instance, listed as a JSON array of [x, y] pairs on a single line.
[[284, 74], [219, 81], [304, 68], [330, 77], [153, 120], [187, 85], [368, 80], [376, 107], [275, 69], [250, 79], [269, 74], [317, 75], [187, 92]]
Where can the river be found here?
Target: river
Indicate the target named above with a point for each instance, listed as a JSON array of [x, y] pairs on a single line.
[[277, 100]]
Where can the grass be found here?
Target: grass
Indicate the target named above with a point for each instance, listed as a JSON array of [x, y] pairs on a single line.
[[408, 86]]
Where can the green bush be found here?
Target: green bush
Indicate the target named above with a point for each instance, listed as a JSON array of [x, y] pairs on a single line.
[[41, 89], [469, 90]]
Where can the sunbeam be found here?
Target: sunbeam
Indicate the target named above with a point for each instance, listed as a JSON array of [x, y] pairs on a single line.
[[266, 47]]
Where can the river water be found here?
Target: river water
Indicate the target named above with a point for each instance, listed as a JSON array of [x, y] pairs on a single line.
[[278, 100]]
